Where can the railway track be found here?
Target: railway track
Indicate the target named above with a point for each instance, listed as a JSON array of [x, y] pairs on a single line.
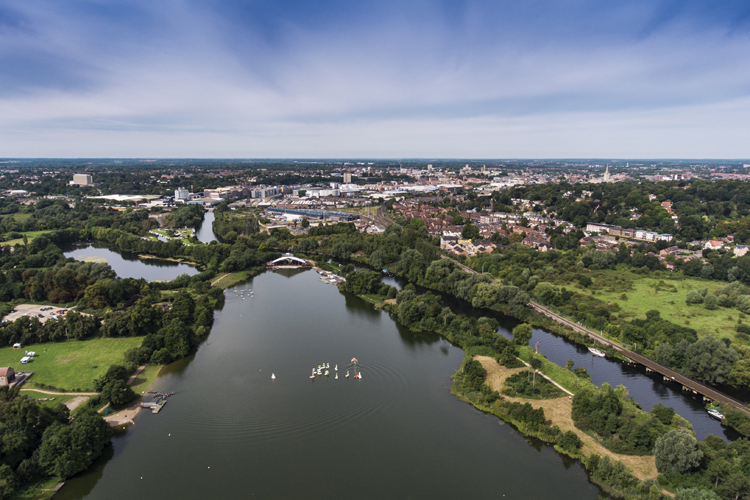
[[708, 393]]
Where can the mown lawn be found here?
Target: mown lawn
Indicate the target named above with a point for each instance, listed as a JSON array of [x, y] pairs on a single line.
[[71, 365], [668, 297], [144, 379]]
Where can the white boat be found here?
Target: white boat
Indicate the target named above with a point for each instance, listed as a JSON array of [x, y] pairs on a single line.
[[273, 377], [347, 373], [715, 414], [326, 373], [360, 375], [336, 368], [596, 352], [337, 376]]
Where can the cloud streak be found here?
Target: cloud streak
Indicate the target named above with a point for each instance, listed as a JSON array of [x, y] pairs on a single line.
[[182, 78]]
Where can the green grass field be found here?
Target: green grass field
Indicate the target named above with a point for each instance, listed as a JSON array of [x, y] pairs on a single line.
[[668, 297], [69, 365], [29, 234], [144, 379]]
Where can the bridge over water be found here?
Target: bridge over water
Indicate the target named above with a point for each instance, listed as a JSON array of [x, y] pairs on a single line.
[[708, 393]]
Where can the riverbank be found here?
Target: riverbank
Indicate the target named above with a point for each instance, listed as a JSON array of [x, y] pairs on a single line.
[[558, 412], [128, 414]]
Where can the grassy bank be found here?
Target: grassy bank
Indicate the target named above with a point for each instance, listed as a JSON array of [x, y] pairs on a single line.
[[69, 366], [668, 297], [143, 380]]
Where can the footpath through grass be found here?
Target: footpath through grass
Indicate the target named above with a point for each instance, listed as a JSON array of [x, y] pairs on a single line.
[[69, 366]]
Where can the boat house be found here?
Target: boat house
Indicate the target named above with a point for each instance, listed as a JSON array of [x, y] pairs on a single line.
[[7, 375]]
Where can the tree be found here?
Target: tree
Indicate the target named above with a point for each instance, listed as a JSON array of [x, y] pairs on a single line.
[[676, 452], [117, 393], [522, 334], [664, 414], [305, 223], [710, 359], [695, 494], [470, 232]]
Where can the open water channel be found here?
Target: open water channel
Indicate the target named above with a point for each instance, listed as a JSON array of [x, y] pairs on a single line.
[[130, 265], [230, 431]]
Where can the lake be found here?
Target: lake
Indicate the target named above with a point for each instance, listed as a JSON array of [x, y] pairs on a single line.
[[232, 432], [128, 265]]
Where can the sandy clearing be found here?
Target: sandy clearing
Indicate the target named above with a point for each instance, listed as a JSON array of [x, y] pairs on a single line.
[[76, 402], [558, 411]]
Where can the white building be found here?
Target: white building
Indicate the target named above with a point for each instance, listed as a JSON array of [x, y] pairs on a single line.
[[181, 195], [81, 180]]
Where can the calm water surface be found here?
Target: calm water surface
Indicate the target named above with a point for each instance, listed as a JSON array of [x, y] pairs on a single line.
[[131, 266], [648, 389], [232, 432], [205, 233]]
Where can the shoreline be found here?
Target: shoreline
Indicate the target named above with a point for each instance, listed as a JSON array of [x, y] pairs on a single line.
[[126, 416]]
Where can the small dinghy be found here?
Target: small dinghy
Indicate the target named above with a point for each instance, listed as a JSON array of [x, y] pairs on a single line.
[[273, 377], [596, 352]]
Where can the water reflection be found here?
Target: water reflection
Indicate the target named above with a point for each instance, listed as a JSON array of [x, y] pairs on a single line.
[[129, 265]]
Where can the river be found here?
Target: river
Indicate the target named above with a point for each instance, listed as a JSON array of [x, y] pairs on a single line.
[[128, 265], [205, 233], [232, 432], [648, 389]]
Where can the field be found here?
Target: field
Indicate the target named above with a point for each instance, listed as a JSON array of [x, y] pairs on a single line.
[[668, 297], [29, 234], [69, 365], [18, 217]]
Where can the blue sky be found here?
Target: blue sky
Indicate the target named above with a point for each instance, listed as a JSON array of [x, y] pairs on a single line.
[[463, 79]]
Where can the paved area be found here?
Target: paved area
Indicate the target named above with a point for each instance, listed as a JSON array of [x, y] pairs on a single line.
[[34, 310]]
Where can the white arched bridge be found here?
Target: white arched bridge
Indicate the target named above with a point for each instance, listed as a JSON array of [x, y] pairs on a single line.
[[289, 260]]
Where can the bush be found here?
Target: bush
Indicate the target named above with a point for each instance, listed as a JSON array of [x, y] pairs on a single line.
[[710, 302], [570, 441]]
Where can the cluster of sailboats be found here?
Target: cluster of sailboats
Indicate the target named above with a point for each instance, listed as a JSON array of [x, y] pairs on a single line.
[[241, 293], [325, 370]]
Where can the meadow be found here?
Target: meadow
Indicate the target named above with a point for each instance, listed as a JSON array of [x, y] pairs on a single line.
[[69, 366], [637, 295]]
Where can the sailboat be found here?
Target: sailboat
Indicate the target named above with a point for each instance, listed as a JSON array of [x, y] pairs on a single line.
[[360, 375], [326, 373], [336, 368], [347, 373], [337, 376], [273, 377]]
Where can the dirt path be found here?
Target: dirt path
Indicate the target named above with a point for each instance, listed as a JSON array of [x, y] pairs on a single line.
[[216, 281], [137, 372], [63, 393], [558, 411]]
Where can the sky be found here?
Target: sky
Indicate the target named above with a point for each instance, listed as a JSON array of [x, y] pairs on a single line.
[[379, 79]]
